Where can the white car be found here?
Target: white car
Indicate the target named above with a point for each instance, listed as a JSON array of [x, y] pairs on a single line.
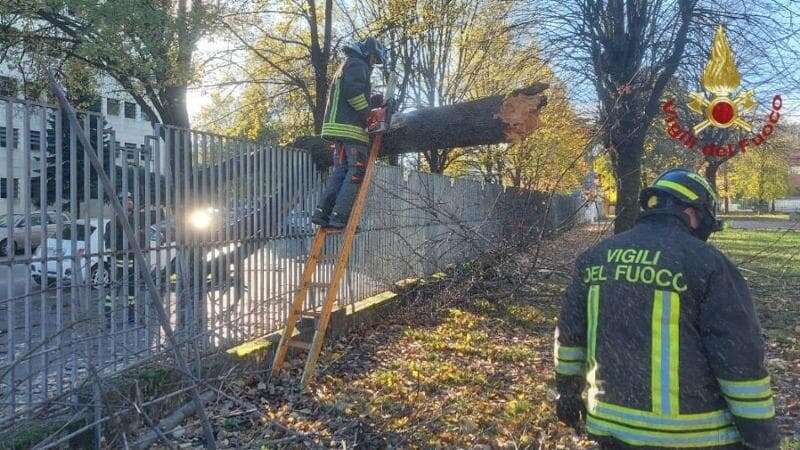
[[159, 257], [19, 230]]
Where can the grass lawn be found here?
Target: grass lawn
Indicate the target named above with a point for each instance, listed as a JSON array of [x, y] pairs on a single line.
[[772, 254]]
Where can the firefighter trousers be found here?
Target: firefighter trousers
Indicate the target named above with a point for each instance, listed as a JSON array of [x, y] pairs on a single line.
[[349, 167]]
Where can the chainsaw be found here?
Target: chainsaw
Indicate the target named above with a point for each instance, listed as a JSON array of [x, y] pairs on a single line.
[[379, 118]]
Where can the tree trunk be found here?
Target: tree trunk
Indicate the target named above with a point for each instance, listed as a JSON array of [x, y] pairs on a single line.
[[489, 120], [628, 169], [711, 174], [437, 160]]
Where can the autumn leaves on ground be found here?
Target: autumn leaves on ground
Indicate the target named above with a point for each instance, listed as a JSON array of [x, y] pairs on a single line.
[[467, 363]]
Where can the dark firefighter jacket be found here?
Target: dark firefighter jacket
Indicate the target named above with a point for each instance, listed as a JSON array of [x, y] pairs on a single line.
[[347, 106], [661, 328]]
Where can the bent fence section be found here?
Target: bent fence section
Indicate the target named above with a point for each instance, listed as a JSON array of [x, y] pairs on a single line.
[[225, 225]]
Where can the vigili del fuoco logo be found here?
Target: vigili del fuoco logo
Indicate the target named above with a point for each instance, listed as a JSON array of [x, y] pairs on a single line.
[[721, 106]]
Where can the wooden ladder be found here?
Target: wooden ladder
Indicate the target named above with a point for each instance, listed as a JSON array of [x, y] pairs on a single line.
[[322, 318]]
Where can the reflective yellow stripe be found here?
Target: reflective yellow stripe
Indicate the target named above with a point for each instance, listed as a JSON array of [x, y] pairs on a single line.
[[752, 409], [647, 419], [335, 105], [674, 354], [592, 310], [342, 130], [570, 353], [635, 436], [705, 184], [569, 367], [746, 388], [358, 102], [655, 352], [665, 357], [678, 188]]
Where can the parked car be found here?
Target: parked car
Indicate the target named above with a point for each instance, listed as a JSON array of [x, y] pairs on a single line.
[[98, 269], [19, 230]]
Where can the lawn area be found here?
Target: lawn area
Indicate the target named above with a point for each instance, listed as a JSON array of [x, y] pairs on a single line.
[[467, 363], [748, 215], [773, 253]]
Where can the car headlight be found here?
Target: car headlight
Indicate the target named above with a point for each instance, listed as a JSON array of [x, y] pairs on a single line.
[[200, 219]]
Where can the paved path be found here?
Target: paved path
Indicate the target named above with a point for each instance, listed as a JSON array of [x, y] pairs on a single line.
[[764, 224]]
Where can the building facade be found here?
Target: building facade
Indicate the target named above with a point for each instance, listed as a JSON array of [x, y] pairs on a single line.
[[32, 129]]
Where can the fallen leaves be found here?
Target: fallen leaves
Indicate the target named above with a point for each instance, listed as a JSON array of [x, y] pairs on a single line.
[[475, 373]]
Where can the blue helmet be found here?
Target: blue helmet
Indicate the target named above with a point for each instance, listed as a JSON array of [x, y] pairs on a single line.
[[681, 187], [369, 46]]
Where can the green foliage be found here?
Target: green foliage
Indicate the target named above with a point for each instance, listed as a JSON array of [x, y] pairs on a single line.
[[763, 172], [146, 46]]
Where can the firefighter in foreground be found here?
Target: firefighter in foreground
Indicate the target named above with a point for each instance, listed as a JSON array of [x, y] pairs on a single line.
[[659, 327], [345, 124]]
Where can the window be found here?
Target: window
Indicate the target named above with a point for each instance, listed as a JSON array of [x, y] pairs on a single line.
[[36, 141], [145, 116], [3, 137], [8, 87], [130, 110], [4, 188], [130, 153], [112, 107]]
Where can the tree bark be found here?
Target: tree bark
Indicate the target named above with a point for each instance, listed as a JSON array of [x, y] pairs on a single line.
[[489, 120], [629, 182]]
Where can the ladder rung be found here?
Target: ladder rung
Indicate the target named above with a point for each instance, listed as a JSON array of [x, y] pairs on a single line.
[[334, 230], [318, 284], [328, 257], [300, 344], [311, 314]]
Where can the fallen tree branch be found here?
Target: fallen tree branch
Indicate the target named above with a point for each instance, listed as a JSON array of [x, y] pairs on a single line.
[[173, 420]]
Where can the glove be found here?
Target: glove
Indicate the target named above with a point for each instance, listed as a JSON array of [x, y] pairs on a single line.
[[570, 410], [376, 100], [376, 120]]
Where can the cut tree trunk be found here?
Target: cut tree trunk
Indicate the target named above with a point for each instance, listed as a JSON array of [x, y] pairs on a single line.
[[489, 120]]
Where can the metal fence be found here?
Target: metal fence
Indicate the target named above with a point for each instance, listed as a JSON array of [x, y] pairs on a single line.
[[788, 205], [225, 225]]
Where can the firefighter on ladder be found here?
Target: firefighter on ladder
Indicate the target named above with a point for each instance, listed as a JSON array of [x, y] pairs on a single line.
[[660, 326], [346, 117]]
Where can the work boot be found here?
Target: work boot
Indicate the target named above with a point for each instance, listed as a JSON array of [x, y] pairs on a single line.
[[336, 221], [319, 218]]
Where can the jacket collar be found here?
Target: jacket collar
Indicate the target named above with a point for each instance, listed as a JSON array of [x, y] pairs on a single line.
[[669, 217]]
